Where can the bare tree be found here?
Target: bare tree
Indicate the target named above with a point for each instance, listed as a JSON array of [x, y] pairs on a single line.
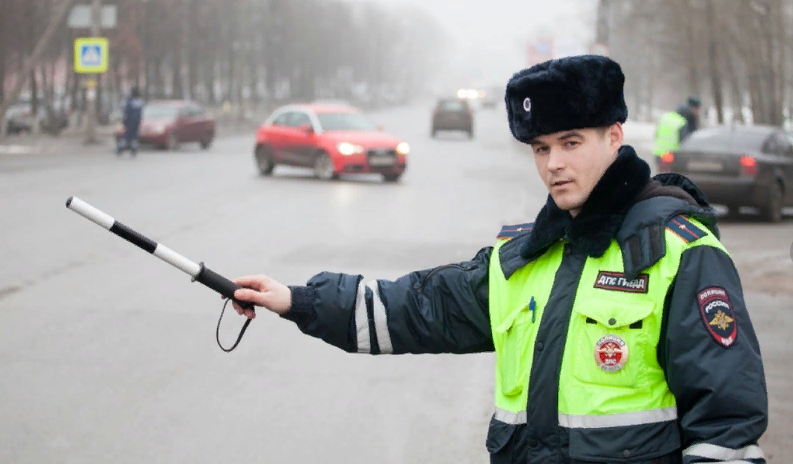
[[281, 49], [732, 53]]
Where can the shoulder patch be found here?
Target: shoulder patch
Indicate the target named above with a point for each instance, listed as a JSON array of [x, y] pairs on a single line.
[[717, 314], [507, 232], [685, 229]]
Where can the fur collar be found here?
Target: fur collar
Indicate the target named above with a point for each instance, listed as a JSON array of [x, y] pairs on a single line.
[[602, 214]]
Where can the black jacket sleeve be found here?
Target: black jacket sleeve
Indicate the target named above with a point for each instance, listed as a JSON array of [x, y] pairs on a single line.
[[684, 132], [711, 357], [439, 310], [691, 122]]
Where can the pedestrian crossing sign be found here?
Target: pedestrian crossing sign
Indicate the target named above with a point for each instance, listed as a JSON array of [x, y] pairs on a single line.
[[91, 55]]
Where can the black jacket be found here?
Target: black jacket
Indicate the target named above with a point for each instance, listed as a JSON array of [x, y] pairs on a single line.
[[692, 122], [720, 391]]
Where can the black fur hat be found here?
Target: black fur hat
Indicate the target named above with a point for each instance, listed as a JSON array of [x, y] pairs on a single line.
[[577, 92]]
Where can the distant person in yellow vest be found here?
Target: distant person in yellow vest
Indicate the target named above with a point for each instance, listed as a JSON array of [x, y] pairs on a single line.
[[618, 320], [674, 127]]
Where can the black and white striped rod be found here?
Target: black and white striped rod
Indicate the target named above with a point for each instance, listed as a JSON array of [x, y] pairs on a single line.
[[197, 271]]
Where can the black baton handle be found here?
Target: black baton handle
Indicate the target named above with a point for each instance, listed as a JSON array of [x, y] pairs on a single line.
[[220, 284], [226, 288]]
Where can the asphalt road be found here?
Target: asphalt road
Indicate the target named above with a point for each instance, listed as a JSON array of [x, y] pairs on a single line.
[[108, 354]]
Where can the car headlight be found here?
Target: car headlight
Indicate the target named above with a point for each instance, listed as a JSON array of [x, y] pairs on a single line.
[[461, 93], [403, 148], [347, 149]]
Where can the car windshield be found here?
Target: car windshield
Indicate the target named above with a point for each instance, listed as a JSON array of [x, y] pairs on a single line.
[[726, 140], [345, 122], [452, 105], [160, 111]]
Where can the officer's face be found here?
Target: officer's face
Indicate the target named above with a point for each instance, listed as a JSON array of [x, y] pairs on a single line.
[[572, 162]]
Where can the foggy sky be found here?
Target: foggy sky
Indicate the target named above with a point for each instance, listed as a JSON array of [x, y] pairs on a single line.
[[492, 35]]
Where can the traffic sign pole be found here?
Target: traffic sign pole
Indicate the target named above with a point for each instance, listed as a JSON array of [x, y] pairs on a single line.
[[90, 133]]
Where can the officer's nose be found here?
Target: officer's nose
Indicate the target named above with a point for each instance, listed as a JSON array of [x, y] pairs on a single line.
[[555, 159]]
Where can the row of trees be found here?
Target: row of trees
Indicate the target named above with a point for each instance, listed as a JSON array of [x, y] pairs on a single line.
[[240, 50], [734, 54], [22, 22]]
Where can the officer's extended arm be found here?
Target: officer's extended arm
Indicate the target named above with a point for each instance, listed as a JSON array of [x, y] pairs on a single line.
[[715, 372], [440, 310]]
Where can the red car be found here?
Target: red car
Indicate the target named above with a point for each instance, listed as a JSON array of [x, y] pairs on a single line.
[[169, 123], [331, 139]]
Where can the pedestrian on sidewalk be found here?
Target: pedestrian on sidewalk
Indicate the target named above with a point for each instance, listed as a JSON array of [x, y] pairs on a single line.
[[133, 113]]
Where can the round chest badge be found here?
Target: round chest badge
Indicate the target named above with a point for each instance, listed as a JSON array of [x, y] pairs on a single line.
[[527, 104], [611, 353]]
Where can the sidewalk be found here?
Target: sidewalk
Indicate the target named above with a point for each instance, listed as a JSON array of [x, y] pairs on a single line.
[[73, 141], [49, 145]]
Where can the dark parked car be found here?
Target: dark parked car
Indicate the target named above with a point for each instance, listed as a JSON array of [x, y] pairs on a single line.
[[739, 166], [52, 118], [169, 123], [453, 114]]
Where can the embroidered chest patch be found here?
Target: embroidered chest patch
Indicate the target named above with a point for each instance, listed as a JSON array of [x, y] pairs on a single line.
[[718, 316], [616, 281]]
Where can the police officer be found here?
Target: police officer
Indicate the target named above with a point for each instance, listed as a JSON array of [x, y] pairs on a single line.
[[133, 113], [676, 126], [619, 324]]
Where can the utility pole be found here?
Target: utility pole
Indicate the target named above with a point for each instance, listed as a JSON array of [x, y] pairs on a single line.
[[90, 132], [59, 15]]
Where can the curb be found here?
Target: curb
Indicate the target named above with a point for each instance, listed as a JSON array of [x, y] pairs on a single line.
[[16, 150], [51, 148], [54, 147]]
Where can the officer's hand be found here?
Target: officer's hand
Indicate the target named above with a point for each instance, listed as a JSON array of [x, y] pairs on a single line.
[[262, 291]]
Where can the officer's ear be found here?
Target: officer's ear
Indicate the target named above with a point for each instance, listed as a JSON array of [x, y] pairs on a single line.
[[614, 136]]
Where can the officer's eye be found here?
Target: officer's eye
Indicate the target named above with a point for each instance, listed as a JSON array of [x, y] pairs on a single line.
[[540, 150], [572, 143]]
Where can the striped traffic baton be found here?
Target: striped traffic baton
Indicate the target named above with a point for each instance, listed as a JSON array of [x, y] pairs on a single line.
[[197, 271]]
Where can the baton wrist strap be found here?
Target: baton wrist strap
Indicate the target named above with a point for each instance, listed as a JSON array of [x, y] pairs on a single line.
[[239, 337], [226, 288]]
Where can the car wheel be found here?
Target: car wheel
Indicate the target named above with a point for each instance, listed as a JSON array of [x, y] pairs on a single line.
[[470, 133], [264, 161], [323, 167], [772, 210], [392, 177], [434, 133], [733, 210], [173, 142], [206, 141]]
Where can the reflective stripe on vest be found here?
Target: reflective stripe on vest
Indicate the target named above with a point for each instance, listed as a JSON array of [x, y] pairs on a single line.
[[618, 420], [592, 422], [509, 417], [668, 134]]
